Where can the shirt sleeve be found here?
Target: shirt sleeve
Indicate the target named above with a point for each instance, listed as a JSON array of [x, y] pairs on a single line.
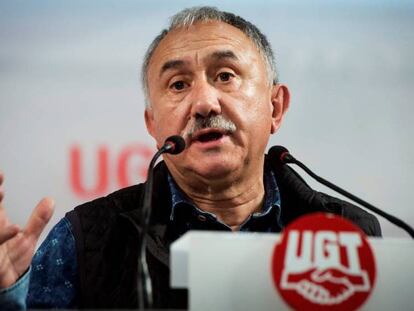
[[50, 281], [53, 277], [14, 297]]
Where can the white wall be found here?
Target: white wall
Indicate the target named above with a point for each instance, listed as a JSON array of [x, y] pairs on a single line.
[[69, 77]]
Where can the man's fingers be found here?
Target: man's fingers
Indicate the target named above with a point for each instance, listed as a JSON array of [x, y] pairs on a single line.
[[8, 233], [40, 217]]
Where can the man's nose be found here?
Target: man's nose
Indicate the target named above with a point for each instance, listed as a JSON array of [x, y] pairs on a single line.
[[205, 100]]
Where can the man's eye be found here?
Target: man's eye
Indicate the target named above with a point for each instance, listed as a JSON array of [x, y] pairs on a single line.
[[225, 76], [178, 86]]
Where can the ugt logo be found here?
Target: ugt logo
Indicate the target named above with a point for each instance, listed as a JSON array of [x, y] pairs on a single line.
[[323, 262]]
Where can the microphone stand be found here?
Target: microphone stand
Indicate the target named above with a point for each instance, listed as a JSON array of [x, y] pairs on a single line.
[[173, 145]]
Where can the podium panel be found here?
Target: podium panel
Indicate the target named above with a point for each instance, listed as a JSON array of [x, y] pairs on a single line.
[[233, 271]]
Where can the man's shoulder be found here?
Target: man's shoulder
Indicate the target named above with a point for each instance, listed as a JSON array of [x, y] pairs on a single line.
[[298, 198], [96, 223], [363, 219], [122, 200]]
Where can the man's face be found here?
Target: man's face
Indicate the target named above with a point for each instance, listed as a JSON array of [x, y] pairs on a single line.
[[211, 69]]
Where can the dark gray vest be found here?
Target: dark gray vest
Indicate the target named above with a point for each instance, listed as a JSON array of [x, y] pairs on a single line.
[[106, 232]]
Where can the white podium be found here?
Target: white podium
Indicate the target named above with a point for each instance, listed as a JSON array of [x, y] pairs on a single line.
[[232, 271]]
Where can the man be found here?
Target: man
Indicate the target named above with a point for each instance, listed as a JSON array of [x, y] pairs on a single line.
[[211, 78]]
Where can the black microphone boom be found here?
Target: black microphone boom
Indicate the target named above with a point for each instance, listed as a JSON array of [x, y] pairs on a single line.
[[172, 145], [280, 155]]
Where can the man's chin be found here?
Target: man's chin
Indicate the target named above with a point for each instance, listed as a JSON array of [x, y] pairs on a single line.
[[213, 171]]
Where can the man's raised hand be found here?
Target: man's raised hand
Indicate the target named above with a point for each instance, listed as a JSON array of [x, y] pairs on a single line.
[[17, 245]]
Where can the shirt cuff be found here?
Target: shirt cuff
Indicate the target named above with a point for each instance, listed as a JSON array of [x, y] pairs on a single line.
[[14, 297]]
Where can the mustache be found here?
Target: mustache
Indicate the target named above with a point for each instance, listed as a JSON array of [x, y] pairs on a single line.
[[214, 122]]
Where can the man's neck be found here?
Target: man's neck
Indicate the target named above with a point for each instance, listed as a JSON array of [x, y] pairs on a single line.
[[232, 201]]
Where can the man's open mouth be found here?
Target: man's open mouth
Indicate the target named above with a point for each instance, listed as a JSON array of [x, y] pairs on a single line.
[[207, 135], [210, 137]]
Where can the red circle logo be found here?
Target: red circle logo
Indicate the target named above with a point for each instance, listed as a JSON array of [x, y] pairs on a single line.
[[323, 262]]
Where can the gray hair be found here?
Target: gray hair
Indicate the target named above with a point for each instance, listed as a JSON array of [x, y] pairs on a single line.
[[191, 16]]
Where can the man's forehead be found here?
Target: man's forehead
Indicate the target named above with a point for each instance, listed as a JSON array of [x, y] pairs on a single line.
[[217, 56], [209, 40]]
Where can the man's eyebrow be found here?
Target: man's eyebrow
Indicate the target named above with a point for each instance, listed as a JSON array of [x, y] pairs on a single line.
[[226, 54], [171, 64]]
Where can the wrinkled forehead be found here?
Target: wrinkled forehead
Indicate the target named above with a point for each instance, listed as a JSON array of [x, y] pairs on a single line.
[[202, 41]]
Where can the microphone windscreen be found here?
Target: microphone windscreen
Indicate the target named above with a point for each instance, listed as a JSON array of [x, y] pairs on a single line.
[[177, 142], [277, 154]]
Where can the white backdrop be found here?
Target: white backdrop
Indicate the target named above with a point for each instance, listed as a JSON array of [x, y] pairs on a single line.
[[71, 108]]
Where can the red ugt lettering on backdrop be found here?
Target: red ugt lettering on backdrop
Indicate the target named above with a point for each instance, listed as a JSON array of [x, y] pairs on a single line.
[[103, 167]]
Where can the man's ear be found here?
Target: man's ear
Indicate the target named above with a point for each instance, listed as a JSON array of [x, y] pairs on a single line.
[[149, 121], [280, 103]]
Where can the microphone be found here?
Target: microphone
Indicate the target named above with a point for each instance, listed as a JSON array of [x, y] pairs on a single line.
[[172, 145], [279, 156]]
